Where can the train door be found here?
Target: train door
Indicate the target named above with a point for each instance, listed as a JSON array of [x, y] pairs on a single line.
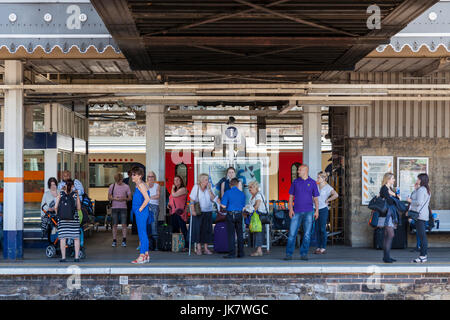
[[287, 172]]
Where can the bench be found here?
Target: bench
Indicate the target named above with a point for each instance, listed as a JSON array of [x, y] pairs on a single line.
[[442, 222]]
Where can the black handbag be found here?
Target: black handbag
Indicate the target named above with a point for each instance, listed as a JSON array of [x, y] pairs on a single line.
[[264, 217], [378, 204], [414, 214]]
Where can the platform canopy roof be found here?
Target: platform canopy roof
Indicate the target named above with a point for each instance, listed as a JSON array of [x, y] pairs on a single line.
[[177, 38]]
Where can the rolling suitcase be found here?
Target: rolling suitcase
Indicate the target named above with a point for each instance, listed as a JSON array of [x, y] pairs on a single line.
[[378, 238], [400, 240], [164, 238], [221, 237]]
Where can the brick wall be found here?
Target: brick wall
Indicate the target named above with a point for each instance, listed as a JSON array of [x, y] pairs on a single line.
[[232, 287], [358, 233]]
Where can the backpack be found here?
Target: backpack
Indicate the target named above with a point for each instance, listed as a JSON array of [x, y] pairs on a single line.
[[67, 206], [86, 204]]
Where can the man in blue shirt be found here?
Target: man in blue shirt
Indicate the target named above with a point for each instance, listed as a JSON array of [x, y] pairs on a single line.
[[233, 201], [303, 192]]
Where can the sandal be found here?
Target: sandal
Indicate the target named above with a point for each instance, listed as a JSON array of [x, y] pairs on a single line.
[[323, 251], [318, 251], [208, 252], [420, 260], [139, 260], [147, 258], [256, 254], [198, 252]]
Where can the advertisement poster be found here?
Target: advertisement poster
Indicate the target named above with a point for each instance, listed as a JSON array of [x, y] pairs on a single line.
[[373, 170], [247, 170], [408, 168]]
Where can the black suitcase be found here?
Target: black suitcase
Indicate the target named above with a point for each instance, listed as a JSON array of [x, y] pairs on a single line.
[[378, 238], [400, 240], [164, 238]]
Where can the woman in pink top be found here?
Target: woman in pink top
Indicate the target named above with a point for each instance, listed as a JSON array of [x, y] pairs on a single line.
[[177, 207]]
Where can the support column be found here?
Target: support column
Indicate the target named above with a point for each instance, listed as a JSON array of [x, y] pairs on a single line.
[[312, 140], [13, 174], [155, 151]]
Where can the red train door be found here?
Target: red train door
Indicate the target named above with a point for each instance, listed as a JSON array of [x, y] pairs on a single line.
[[288, 162]]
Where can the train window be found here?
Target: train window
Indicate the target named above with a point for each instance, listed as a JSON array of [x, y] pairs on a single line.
[[294, 171], [102, 174], [181, 170]]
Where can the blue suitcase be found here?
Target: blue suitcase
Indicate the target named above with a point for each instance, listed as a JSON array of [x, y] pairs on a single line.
[[221, 237]]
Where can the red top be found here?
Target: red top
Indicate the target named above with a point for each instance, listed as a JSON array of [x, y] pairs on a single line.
[[178, 203]]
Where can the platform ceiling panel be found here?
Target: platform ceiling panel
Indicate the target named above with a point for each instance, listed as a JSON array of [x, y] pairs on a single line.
[[251, 36]]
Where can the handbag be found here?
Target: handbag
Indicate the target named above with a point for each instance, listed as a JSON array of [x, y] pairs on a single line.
[[255, 223], [378, 204], [374, 218], [264, 217], [414, 214], [198, 210], [109, 205]]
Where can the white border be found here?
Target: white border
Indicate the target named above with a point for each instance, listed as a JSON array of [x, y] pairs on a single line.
[[264, 169], [407, 158], [368, 158]]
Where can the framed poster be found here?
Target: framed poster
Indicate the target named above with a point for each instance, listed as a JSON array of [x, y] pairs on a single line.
[[372, 172], [247, 169], [408, 168]]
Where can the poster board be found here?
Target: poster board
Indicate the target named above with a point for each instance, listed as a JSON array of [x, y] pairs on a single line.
[[247, 169], [408, 168], [373, 169]]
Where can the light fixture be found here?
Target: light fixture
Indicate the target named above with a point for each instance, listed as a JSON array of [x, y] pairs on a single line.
[[12, 17]]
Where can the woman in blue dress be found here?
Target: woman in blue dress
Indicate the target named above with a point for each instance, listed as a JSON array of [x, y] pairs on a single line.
[[141, 199]]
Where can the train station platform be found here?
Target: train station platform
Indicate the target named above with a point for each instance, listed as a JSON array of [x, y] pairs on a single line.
[[343, 273]]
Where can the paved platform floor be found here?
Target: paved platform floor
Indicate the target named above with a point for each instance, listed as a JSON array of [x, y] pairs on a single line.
[[100, 254]]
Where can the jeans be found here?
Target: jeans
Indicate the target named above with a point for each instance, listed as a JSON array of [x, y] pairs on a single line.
[[234, 225], [307, 219], [141, 221], [322, 226], [153, 230], [422, 233]]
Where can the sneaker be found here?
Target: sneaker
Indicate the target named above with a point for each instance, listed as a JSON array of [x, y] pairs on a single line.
[[304, 258], [124, 243], [62, 260], [420, 259], [76, 260], [114, 244], [287, 258]]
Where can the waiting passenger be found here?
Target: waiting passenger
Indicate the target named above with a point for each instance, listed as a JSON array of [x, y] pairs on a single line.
[[202, 221], [78, 186], [420, 201], [234, 202], [225, 186], [391, 218], [49, 197], [153, 206], [119, 193], [177, 208], [302, 193], [67, 205], [141, 199], [259, 205], [327, 194]]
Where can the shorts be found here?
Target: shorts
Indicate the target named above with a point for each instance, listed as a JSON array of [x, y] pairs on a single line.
[[115, 216]]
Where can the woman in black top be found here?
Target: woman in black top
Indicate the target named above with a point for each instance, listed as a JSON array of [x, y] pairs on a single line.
[[386, 192]]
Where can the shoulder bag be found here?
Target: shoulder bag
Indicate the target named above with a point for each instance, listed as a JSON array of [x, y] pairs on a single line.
[[264, 217], [197, 208], [415, 214], [378, 204]]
